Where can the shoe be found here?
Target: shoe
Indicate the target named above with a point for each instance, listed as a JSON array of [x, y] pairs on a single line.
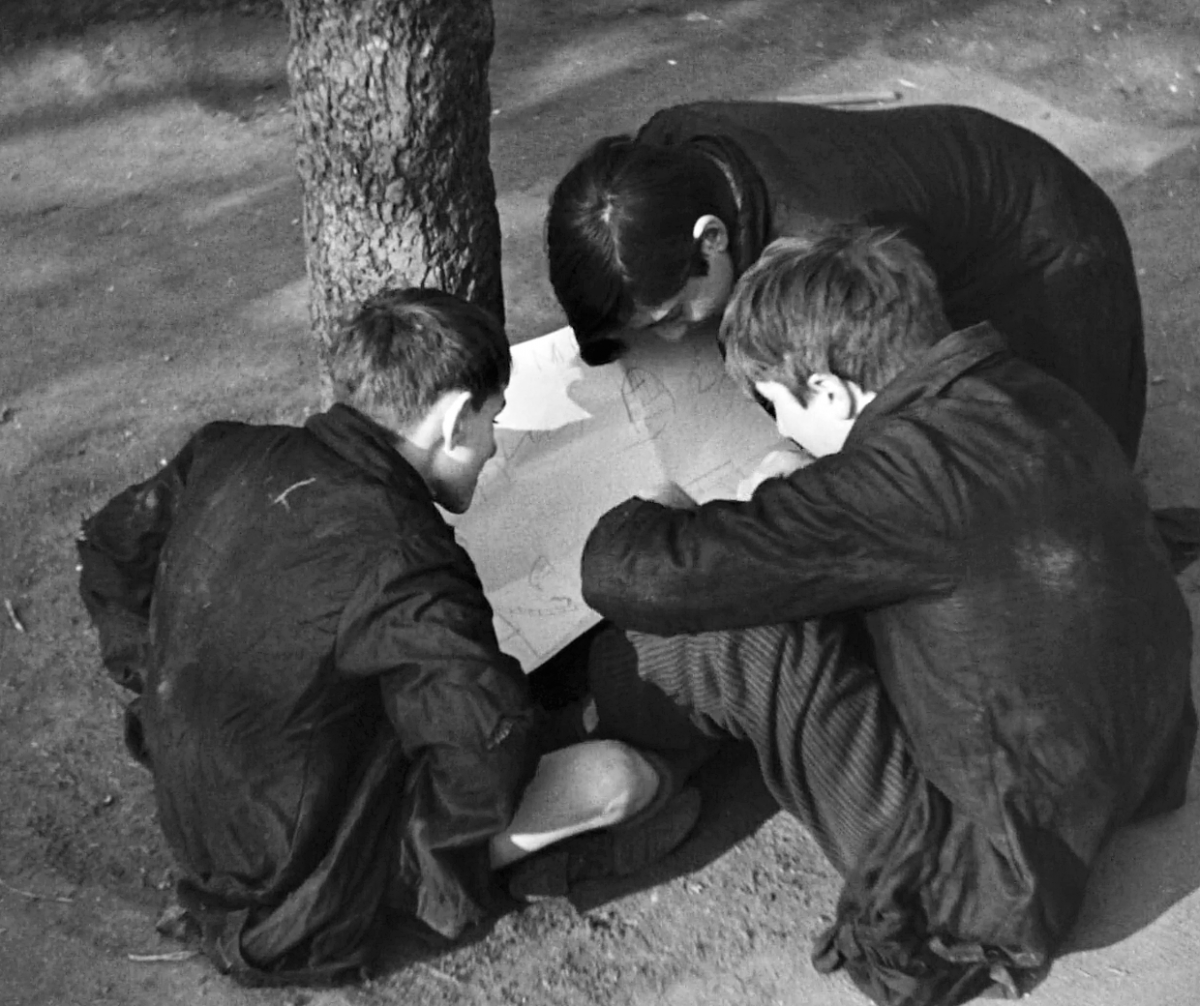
[[619, 851]]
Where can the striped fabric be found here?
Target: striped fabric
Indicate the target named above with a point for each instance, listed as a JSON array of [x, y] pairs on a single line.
[[804, 695]]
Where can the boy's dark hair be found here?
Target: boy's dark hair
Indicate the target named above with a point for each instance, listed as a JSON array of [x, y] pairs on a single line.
[[619, 234], [403, 349], [857, 302]]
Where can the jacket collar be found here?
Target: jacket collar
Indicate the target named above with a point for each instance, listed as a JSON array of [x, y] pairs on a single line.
[[365, 444], [749, 195], [929, 377]]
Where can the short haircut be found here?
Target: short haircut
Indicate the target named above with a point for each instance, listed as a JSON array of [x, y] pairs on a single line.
[[619, 234], [857, 302], [403, 349]]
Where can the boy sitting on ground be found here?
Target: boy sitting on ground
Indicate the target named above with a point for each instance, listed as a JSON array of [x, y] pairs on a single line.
[[954, 639], [332, 728]]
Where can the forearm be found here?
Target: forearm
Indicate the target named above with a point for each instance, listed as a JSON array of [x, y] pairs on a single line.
[[828, 539]]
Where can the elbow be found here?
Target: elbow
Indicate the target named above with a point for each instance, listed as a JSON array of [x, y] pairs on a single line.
[[600, 597], [629, 605], [607, 587]]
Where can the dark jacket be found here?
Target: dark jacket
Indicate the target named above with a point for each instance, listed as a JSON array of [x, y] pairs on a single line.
[[1026, 626], [330, 723], [1017, 234]]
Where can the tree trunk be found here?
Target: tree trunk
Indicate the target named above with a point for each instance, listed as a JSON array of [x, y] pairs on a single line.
[[394, 111]]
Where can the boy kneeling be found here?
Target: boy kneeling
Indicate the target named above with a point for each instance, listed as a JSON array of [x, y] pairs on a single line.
[[954, 638], [332, 728]]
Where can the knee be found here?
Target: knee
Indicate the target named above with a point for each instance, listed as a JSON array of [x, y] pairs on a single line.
[[621, 781]]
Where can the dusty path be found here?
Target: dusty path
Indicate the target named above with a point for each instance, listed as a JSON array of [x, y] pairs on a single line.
[[151, 273]]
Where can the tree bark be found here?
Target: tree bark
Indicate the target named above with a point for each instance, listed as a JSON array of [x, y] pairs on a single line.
[[394, 116]]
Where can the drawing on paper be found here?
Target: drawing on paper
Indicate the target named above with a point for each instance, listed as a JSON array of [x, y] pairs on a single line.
[[575, 441]]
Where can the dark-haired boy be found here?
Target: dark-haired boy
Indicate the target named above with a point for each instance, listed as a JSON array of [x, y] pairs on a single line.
[[954, 639], [332, 728], [649, 232]]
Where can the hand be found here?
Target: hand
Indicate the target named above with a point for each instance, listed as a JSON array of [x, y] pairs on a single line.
[[669, 494], [777, 464]]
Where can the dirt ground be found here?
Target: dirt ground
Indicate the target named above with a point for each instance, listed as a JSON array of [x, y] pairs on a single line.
[[152, 278]]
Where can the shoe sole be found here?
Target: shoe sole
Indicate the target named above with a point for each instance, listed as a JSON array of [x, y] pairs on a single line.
[[615, 852]]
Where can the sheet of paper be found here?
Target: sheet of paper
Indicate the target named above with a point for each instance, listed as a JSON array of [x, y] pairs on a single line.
[[573, 442]]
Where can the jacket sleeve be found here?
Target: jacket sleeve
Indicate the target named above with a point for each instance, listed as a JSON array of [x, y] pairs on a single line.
[[459, 706], [854, 530], [119, 547]]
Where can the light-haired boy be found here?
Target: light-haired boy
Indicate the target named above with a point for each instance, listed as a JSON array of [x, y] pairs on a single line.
[[954, 639]]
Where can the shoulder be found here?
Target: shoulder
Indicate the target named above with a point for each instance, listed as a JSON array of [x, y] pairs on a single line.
[[226, 432], [419, 580], [680, 123], [383, 522], [229, 442]]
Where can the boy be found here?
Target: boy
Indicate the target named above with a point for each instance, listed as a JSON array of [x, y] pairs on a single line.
[[330, 724], [954, 639], [649, 233]]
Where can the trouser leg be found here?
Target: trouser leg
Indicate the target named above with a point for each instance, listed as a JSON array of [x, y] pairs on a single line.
[[632, 708], [807, 698]]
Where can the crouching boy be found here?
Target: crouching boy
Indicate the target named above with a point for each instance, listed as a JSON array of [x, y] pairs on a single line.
[[332, 729], [954, 639]]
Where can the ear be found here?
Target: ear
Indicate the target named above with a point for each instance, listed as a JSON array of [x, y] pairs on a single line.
[[712, 234], [775, 393], [456, 408], [832, 395]]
